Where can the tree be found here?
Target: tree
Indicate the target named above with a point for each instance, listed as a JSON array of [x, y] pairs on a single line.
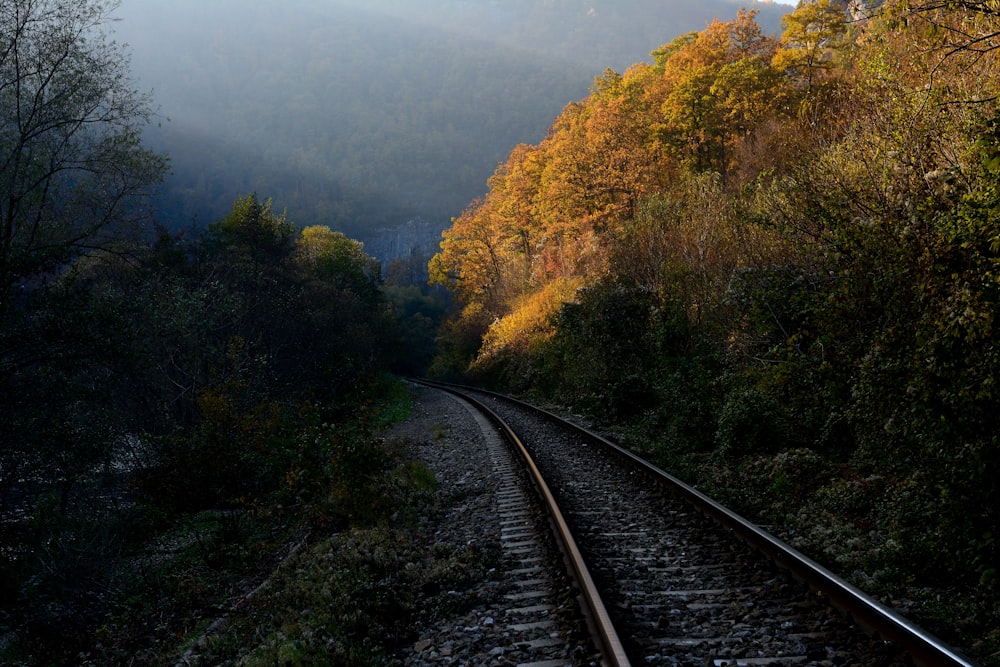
[[813, 34], [333, 257], [252, 233], [73, 176], [716, 87], [977, 31], [946, 48], [72, 169]]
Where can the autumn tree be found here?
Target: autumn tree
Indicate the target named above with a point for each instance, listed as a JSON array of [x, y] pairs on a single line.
[[791, 295], [603, 157], [514, 191], [977, 32], [945, 47], [470, 261], [554, 210], [716, 86]]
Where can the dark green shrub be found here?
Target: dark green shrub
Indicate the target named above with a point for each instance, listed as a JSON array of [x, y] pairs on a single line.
[[751, 422]]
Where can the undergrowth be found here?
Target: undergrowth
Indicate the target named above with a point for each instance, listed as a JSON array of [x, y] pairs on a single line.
[[138, 581], [350, 599]]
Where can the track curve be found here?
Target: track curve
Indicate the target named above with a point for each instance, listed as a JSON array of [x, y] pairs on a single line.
[[684, 579]]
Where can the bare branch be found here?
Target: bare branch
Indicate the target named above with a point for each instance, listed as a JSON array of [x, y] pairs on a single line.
[[69, 132]]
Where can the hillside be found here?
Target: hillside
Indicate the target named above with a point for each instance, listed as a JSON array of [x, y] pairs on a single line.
[[772, 265], [768, 264], [361, 118]]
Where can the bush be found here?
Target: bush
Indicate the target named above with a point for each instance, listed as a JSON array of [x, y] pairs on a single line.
[[231, 457], [751, 422]]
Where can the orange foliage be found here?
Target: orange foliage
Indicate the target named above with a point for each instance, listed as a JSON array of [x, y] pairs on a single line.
[[555, 212], [715, 88]]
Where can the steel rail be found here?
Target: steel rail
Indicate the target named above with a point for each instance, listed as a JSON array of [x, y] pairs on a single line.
[[607, 638], [875, 617]]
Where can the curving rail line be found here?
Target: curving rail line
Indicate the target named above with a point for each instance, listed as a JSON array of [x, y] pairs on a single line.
[[604, 631], [867, 612]]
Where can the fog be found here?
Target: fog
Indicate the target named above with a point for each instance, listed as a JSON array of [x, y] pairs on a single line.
[[363, 115]]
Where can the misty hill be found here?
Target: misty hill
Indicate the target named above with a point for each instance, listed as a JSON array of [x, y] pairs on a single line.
[[365, 117]]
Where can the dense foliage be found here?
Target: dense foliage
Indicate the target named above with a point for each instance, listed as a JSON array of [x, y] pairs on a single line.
[[224, 372], [773, 263], [178, 406]]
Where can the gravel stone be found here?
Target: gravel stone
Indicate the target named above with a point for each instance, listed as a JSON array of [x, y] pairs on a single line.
[[501, 620]]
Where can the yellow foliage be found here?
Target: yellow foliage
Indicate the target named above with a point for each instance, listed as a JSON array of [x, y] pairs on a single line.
[[677, 174], [530, 323]]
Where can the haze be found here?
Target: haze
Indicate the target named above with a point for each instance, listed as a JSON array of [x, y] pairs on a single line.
[[364, 116]]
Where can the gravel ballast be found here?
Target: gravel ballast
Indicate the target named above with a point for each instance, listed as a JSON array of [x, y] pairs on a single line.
[[525, 611]]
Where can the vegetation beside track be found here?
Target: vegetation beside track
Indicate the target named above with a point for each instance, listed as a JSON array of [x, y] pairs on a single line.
[[771, 263]]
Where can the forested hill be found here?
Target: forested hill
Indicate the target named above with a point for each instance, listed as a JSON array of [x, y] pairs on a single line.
[[773, 264], [361, 115]]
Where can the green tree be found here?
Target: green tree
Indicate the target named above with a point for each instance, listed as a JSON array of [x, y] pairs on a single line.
[[73, 172], [333, 257], [814, 33], [252, 233], [74, 178]]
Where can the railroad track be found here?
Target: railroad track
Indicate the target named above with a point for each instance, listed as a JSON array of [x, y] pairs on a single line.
[[670, 577]]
